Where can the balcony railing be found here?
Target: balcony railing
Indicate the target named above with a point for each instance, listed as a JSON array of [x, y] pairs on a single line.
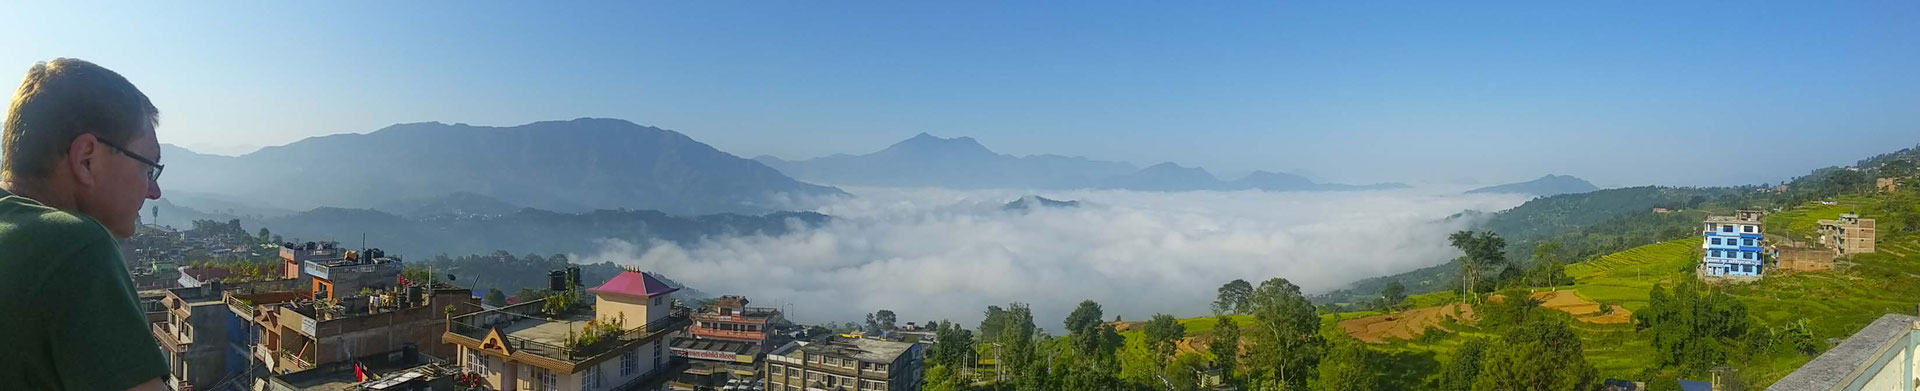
[[168, 338]]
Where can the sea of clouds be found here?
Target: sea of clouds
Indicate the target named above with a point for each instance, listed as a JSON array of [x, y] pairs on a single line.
[[933, 254]]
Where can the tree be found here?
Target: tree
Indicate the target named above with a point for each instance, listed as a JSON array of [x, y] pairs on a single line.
[[1183, 372], [1017, 354], [1163, 334], [1690, 331], [954, 346], [1084, 317], [1548, 269], [1233, 297], [1540, 355], [1460, 374], [885, 320], [1225, 346], [1349, 366], [495, 298], [1484, 251], [942, 378], [991, 325], [265, 235], [1393, 294], [1286, 339]]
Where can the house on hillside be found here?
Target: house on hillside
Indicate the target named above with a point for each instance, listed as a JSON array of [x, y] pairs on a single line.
[[1732, 247], [1848, 235]]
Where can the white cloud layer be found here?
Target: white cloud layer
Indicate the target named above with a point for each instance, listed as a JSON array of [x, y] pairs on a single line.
[[930, 254]]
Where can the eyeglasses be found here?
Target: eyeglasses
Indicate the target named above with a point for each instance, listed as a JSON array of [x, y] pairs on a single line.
[[153, 168]]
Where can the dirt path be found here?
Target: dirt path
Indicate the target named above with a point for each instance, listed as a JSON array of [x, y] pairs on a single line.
[[1405, 325]]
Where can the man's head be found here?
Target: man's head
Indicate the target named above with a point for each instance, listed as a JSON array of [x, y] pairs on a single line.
[[79, 132]]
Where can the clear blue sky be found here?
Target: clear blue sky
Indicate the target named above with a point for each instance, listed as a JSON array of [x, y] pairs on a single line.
[[1621, 93]]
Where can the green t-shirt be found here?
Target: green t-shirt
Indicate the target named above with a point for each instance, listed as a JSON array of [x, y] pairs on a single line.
[[69, 316]]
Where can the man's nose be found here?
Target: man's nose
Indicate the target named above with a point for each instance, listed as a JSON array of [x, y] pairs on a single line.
[[153, 190]]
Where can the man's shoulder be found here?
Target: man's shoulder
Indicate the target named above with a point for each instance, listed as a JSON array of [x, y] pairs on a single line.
[[24, 218]]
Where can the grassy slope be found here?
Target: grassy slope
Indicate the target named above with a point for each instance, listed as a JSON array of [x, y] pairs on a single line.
[[1835, 304]]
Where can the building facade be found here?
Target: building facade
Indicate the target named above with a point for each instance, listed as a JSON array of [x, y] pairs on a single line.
[[1848, 235], [1732, 246], [725, 344], [527, 347], [1878, 357], [857, 364]]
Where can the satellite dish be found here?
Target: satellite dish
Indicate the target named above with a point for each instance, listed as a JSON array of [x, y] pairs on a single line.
[[450, 277]]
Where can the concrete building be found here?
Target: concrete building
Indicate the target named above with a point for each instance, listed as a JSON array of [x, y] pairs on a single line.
[[353, 272], [205, 343], [1879, 357], [523, 347], [1848, 235], [308, 333], [725, 344], [294, 255], [1732, 246], [845, 364]]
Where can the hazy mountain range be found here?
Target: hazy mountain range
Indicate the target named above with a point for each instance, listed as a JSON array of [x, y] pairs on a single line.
[[962, 163], [568, 166], [1545, 186], [525, 230]]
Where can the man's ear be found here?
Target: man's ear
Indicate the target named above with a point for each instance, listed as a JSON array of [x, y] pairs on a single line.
[[80, 158]]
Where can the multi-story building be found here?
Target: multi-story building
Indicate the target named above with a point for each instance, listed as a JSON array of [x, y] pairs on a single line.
[[725, 343], [294, 255], [206, 344], [619, 342], [844, 364], [307, 333], [370, 269], [1733, 246], [1848, 235]]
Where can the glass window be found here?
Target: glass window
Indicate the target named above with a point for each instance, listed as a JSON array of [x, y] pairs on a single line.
[[1726, 228], [1716, 241], [1714, 253], [1748, 242], [592, 378], [1750, 229], [629, 362]]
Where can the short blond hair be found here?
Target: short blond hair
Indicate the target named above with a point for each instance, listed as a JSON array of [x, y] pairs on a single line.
[[60, 100]]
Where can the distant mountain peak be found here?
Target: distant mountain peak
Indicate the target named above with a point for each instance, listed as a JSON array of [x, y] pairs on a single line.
[[927, 144], [1551, 184]]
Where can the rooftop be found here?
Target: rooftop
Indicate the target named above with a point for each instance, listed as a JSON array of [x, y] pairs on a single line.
[[634, 284], [1851, 360], [390, 371], [525, 329], [1731, 220], [867, 350]]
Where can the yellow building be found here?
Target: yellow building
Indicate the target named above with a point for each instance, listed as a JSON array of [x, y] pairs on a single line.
[[520, 347]]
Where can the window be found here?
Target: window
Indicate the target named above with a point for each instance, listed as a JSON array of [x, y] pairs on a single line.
[[1714, 253], [1749, 228], [1726, 228], [1716, 241], [658, 353], [592, 378], [1749, 242], [473, 362], [629, 362], [548, 380]]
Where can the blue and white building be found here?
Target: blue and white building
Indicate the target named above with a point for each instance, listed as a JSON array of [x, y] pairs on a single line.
[[1732, 246]]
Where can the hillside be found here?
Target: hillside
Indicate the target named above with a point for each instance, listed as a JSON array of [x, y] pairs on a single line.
[[572, 166], [1545, 186]]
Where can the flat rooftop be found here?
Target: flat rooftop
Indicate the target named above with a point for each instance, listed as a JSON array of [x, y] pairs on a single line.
[[867, 350], [1731, 220]]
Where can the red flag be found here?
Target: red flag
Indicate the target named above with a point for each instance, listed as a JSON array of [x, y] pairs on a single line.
[[359, 372]]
